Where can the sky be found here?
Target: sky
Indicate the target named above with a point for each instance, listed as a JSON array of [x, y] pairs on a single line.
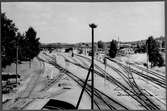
[[68, 22]]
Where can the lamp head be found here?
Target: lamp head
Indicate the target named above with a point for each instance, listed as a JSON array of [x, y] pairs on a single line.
[[92, 25]]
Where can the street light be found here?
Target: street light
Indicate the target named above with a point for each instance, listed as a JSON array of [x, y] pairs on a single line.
[[92, 26]]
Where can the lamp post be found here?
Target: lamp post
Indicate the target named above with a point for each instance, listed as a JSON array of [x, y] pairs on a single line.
[[92, 26]]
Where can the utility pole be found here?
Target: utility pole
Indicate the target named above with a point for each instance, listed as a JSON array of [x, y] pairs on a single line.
[[105, 65], [17, 54], [92, 26], [147, 54], [118, 43], [16, 57]]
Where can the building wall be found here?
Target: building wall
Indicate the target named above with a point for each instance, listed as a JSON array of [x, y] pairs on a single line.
[[126, 51]]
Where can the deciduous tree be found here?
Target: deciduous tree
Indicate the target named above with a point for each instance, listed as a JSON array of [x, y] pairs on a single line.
[[8, 40], [153, 52], [32, 43]]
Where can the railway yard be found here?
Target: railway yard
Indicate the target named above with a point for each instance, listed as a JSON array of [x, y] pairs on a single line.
[[120, 85]]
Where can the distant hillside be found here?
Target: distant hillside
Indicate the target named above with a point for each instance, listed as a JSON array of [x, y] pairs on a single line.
[[138, 42], [89, 44]]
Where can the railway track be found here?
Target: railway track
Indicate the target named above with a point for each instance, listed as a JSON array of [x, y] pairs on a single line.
[[50, 83], [102, 101], [139, 95], [22, 100], [124, 77], [149, 71], [145, 98], [159, 81]]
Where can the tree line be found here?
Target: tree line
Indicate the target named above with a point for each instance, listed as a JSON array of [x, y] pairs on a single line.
[[113, 48], [28, 44], [151, 47]]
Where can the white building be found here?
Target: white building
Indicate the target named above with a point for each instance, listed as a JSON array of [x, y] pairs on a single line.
[[126, 51]]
